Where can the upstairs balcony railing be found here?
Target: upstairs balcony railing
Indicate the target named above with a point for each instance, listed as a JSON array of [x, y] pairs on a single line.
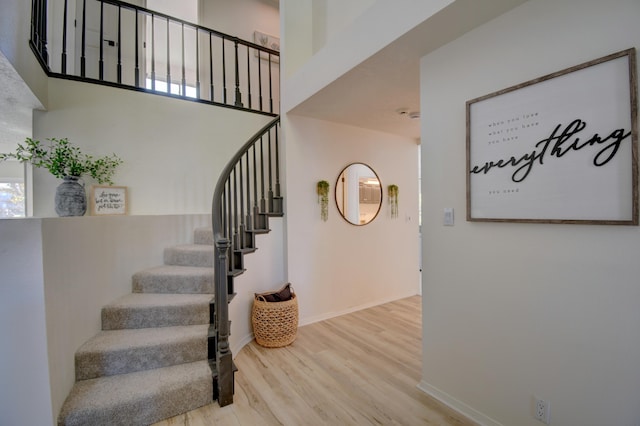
[[120, 44]]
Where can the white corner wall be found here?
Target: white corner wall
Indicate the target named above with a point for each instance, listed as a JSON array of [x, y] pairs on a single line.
[[516, 310], [334, 266], [25, 396], [173, 150]]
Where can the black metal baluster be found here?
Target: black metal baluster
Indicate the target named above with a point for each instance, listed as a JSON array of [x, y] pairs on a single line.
[[83, 59], [260, 77], [211, 91], [153, 53], [248, 188], [63, 67], [235, 211], [101, 60], [168, 59], [262, 198], [270, 87], [137, 53], [240, 191], [197, 63], [275, 129], [255, 189], [34, 22], [248, 78], [119, 44], [224, 74], [184, 79], [270, 173], [229, 217], [39, 29], [238, 101]]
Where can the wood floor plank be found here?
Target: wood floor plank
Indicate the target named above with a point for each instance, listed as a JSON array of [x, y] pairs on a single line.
[[357, 369]]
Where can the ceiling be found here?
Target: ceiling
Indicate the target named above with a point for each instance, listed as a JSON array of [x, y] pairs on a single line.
[[371, 94]]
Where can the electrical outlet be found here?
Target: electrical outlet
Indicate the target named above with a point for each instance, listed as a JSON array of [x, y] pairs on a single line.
[[541, 410]]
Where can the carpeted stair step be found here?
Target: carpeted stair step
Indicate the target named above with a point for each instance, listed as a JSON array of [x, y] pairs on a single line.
[[125, 351], [203, 236], [146, 310], [174, 279], [189, 255], [139, 398]]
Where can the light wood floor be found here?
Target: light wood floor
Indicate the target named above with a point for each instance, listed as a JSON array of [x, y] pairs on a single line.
[[357, 369]]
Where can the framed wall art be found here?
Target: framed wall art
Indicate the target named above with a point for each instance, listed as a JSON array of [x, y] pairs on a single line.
[[108, 200], [558, 149]]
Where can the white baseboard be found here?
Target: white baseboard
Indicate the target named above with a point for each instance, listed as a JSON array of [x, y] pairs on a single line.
[[329, 315], [235, 349], [457, 405]]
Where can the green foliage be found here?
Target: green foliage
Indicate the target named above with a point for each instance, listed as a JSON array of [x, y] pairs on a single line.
[[322, 189], [61, 158], [393, 191]]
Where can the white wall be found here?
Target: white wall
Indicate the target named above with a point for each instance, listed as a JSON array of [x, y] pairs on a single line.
[[25, 397], [241, 18], [330, 17], [173, 150], [513, 310], [334, 266]]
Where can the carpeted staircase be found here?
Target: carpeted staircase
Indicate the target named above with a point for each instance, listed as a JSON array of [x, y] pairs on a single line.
[[149, 362]]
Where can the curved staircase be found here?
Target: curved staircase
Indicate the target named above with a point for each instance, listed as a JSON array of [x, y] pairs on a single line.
[[150, 361]]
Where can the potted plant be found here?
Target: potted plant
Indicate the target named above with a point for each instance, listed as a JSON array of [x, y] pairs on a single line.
[[66, 161], [322, 189], [393, 200]]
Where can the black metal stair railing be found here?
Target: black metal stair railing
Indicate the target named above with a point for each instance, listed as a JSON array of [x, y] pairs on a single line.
[[246, 195], [120, 44]]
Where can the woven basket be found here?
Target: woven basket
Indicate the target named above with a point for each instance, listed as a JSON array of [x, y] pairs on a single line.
[[275, 324]]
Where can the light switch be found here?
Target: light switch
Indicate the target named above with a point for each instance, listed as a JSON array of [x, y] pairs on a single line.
[[448, 216]]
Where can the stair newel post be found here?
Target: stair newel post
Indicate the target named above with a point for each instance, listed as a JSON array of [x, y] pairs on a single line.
[[224, 361]]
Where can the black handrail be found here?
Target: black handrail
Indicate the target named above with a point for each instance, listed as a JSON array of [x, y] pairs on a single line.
[[187, 47], [229, 232]]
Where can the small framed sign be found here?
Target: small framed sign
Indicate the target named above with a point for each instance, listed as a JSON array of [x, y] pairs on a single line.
[[108, 200]]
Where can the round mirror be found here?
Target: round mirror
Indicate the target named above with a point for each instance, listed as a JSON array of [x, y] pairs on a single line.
[[358, 194]]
